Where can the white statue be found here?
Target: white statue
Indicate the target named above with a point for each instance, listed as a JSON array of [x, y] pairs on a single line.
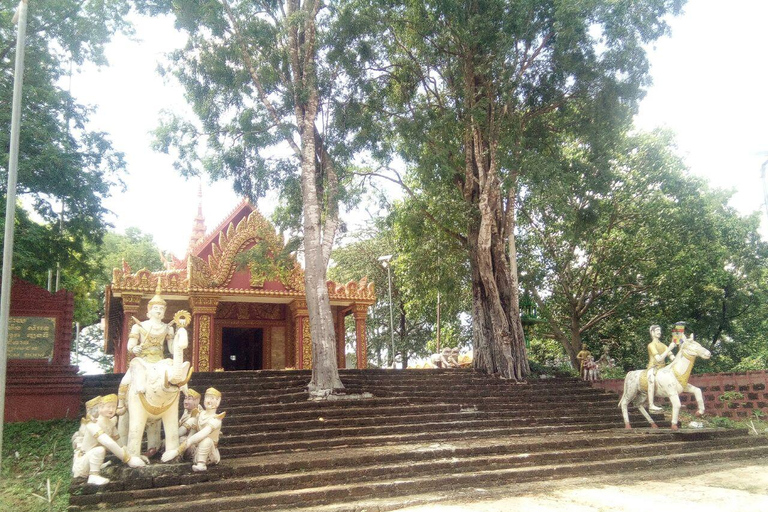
[[657, 359], [150, 389], [453, 361], [91, 414], [591, 371], [100, 435], [203, 445], [606, 361], [670, 381], [188, 421]]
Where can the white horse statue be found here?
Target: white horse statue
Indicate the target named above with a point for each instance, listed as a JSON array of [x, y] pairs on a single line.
[[670, 382]]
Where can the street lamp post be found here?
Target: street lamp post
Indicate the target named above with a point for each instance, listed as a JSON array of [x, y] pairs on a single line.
[[384, 260], [10, 205]]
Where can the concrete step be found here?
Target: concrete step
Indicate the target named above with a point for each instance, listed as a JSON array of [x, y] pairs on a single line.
[[419, 431], [268, 482]]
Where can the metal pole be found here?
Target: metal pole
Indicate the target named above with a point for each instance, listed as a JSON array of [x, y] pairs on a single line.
[[438, 321], [77, 343], [10, 207], [391, 317]]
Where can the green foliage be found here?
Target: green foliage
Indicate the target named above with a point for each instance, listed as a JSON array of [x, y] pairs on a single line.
[[720, 422], [37, 453], [63, 165], [137, 249], [420, 269], [268, 262], [730, 395], [613, 247], [480, 100], [236, 71], [547, 357]]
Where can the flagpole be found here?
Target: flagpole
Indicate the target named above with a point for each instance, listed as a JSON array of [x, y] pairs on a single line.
[[10, 207]]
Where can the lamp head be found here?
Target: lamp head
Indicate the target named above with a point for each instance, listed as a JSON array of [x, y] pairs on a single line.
[[384, 260]]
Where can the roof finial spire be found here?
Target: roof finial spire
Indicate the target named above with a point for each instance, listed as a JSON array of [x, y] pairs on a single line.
[[198, 227]]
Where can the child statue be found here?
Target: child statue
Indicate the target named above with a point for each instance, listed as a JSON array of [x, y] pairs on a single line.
[[100, 435], [91, 414], [203, 445], [188, 420]]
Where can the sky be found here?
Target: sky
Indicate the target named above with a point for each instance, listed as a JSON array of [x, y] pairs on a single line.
[[709, 87]]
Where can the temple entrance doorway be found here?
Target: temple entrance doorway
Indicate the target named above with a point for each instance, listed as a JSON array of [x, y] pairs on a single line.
[[242, 348]]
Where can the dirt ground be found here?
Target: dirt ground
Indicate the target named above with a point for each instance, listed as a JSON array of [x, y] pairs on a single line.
[[731, 487]]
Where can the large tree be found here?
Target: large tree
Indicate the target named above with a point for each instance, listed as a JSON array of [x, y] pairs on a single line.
[[65, 169], [267, 102], [612, 247], [475, 92]]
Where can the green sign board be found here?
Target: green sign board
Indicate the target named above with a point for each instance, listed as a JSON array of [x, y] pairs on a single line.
[[31, 337]]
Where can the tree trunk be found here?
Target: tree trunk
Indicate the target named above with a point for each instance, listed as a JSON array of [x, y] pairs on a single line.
[[319, 196], [499, 344], [573, 347], [325, 372]]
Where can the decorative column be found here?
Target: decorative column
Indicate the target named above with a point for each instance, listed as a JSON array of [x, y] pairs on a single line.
[[203, 339], [341, 360], [131, 303], [303, 340], [361, 345]]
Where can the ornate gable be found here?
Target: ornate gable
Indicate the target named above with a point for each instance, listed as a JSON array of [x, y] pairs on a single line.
[[215, 262]]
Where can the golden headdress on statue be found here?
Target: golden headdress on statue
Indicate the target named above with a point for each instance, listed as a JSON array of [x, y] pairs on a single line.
[[213, 391], [109, 399], [191, 392], [93, 402], [157, 299]]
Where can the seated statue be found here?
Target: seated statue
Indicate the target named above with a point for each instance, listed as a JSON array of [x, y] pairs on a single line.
[[657, 359], [91, 414], [145, 342], [454, 359], [605, 361], [188, 420], [203, 446], [100, 434]]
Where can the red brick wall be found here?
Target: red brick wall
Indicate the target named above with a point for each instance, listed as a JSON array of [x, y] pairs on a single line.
[[751, 386]]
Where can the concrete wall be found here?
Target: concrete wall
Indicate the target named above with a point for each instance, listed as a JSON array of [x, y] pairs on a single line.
[[730, 395]]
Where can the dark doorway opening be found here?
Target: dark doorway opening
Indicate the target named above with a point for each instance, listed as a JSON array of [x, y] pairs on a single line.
[[241, 349]]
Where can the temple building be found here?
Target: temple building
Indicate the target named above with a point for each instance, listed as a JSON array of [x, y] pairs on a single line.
[[249, 311]]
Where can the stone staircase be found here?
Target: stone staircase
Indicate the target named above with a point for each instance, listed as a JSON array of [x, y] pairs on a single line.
[[409, 436]]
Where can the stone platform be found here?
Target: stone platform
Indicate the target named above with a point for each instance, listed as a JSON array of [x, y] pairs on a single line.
[[420, 434]]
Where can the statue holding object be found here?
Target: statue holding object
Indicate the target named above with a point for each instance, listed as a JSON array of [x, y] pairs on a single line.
[[150, 389], [669, 381], [657, 359], [203, 445], [99, 435]]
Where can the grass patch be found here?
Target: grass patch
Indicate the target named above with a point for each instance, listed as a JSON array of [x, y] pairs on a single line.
[[755, 424], [37, 465]]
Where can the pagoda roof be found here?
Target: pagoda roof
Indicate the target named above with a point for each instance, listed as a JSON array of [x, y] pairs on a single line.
[[212, 267]]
